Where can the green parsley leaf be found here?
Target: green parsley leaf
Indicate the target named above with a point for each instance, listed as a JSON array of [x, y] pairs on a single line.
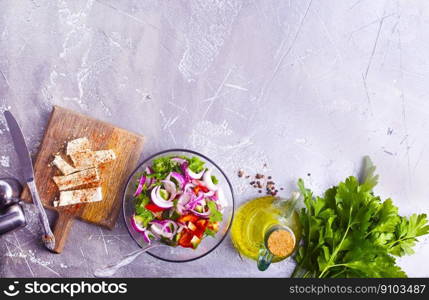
[[142, 200], [215, 215], [161, 165], [210, 232], [144, 215], [406, 234], [215, 180], [350, 232], [196, 165]]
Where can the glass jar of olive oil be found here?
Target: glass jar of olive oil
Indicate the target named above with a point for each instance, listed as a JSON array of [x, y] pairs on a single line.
[[267, 229]]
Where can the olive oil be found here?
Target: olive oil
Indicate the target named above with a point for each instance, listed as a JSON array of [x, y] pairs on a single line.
[[254, 218]]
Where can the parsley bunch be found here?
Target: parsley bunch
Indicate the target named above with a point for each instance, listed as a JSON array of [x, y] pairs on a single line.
[[350, 232]]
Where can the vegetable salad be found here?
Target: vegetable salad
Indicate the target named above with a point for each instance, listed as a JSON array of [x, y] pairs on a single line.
[[178, 201]]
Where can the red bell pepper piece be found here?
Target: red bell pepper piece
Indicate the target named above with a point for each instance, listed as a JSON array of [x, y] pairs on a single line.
[[187, 218], [201, 188], [201, 227], [154, 208], [185, 238]]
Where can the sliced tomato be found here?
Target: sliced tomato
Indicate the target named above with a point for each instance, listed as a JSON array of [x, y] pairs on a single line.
[[202, 223], [201, 227], [154, 208], [187, 218], [200, 188], [185, 239]]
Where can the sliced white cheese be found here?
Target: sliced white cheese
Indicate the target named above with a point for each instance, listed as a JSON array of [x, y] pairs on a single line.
[[84, 160], [77, 179], [91, 159], [78, 145], [63, 166], [80, 196], [105, 156]]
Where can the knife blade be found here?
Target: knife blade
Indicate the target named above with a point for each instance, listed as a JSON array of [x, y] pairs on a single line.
[[28, 173], [20, 147]]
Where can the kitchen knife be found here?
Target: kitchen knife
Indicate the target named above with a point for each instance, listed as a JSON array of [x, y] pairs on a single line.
[[28, 172]]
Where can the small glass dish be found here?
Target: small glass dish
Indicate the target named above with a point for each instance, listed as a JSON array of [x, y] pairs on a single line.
[[180, 254]]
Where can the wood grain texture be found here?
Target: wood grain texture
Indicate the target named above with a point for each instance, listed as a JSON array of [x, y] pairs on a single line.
[[65, 125], [62, 227]]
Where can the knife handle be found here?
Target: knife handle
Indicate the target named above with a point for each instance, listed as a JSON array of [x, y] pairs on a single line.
[[48, 238]]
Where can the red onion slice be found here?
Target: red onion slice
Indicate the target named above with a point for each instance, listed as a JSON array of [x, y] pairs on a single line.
[[156, 228], [139, 190], [184, 168], [182, 202], [205, 214], [156, 197], [208, 182], [209, 194], [195, 201], [170, 187], [179, 178], [146, 237], [162, 228], [160, 222], [194, 175], [166, 227], [137, 227], [189, 188]]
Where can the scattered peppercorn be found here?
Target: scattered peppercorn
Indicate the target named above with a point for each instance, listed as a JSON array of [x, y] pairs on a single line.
[[260, 181]]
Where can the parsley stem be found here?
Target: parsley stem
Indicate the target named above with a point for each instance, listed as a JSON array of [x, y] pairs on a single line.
[[339, 273], [337, 248], [400, 240]]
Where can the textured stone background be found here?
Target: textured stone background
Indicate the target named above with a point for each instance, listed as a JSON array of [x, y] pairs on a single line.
[[305, 86]]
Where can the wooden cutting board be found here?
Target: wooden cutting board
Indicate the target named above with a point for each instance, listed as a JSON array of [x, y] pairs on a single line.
[[65, 125]]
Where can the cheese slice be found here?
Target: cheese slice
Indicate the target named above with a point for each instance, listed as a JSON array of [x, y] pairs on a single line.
[[63, 166], [80, 196], [77, 179], [105, 156], [91, 159], [78, 145]]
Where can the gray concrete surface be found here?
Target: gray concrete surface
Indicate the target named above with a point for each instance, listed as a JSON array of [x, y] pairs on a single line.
[[305, 86]]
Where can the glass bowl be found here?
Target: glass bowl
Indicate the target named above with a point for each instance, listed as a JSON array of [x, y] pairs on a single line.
[[180, 254]]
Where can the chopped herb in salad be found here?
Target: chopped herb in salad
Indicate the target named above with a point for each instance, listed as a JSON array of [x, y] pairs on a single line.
[[178, 201]]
